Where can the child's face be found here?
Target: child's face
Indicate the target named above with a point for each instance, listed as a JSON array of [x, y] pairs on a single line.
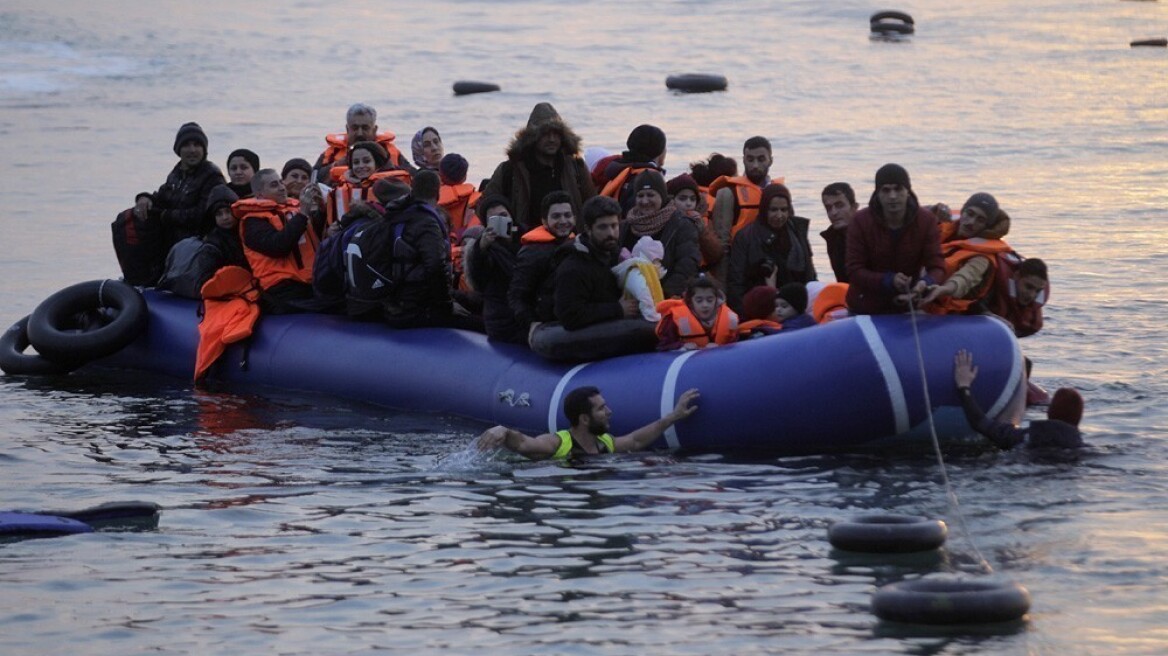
[[224, 218], [704, 303], [686, 200], [783, 310]]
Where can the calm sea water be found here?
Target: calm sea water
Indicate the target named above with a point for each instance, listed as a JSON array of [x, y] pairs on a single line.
[[299, 525]]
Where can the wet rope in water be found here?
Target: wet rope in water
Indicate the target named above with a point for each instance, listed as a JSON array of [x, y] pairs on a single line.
[[954, 504]]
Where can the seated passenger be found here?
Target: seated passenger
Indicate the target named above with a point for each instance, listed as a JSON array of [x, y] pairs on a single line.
[[772, 250], [691, 200], [360, 125], [705, 171], [193, 261], [759, 316], [839, 201], [531, 295], [280, 242], [144, 235], [426, 148], [890, 242], [640, 276], [654, 215], [791, 307], [242, 165], [971, 248], [1020, 297], [646, 151], [456, 197], [702, 319], [296, 175], [367, 162], [490, 262]]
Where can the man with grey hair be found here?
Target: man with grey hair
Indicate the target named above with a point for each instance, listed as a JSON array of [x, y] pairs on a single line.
[[360, 125]]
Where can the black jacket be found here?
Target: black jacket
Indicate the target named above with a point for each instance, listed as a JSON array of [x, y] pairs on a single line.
[[837, 251], [490, 271], [683, 255], [586, 290], [753, 248], [181, 201], [531, 296]]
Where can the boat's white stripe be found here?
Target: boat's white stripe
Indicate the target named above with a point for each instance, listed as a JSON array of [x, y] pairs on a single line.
[[669, 395], [1017, 373], [888, 370], [554, 405]]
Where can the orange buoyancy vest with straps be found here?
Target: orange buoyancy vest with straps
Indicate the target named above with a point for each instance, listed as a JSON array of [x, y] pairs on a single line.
[[230, 311], [830, 303], [747, 327], [297, 265], [613, 187], [956, 253], [458, 200], [690, 328], [341, 198], [338, 147], [747, 196], [540, 235]]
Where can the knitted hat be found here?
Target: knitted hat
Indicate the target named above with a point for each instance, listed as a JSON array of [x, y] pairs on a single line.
[[893, 174], [683, 181], [248, 155], [1066, 405], [646, 141], [453, 168], [794, 293], [190, 132], [759, 303], [294, 164], [650, 179], [380, 157], [388, 190], [985, 203]]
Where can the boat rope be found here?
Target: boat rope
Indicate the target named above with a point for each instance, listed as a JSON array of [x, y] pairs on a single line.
[[951, 495]]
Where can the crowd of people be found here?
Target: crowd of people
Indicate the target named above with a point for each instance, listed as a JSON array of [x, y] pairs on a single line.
[[577, 254]]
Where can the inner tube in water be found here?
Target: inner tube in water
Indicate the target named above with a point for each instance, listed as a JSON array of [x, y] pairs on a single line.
[[87, 321], [1154, 43], [15, 362], [696, 83], [891, 22], [888, 534], [951, 601], [467, 87]]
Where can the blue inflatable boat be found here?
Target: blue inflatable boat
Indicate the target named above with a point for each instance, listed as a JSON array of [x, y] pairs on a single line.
[[847, 386]]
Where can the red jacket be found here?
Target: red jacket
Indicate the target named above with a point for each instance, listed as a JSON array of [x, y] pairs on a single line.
[[874, 254]]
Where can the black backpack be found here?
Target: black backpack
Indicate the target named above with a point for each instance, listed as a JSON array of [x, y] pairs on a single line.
[[376, 260]]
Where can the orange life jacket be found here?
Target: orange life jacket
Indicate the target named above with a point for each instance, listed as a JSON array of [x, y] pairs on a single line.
[[613, 188], [830, 303], [957, 252], [540, 235], [747, 327], [341, 198], [230, 310], [338, 147], [747, 196], [458, 200], [297, 265], [690, 329]]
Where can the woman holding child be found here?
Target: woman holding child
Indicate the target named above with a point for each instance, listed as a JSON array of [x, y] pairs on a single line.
[[655, 215]]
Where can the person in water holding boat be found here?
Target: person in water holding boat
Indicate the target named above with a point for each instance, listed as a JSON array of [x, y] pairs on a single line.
[[971, 247], [532, 291], [360, 125], [772, 250], [1059, 430], [242, 165], [589, 419], [889, 243], [543, 157], [839, 202]]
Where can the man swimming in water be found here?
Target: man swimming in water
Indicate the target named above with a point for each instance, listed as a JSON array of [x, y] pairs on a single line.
[[589, 415]]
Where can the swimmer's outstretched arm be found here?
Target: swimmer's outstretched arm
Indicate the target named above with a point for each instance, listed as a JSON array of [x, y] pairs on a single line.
[[541, 446], [644, 436]]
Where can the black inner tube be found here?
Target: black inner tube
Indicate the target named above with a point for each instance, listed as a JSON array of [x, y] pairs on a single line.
[[15, 362], [936, 601], [888, 534], [87, 321]]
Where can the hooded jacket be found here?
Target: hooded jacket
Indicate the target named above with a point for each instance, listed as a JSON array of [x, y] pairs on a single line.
[[876, 253], [181, 201], [586, 292]]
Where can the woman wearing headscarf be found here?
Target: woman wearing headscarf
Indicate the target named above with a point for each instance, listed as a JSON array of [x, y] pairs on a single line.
[[772, 250], [427, 149]]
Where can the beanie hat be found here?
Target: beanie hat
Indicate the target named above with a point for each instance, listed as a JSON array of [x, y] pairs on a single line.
[[248, 155], [380, 157], [650, 179], [190, 132], [487, 202], [387, 190], [893, 174], [683, 181], [985, 203], [646, 142], [795, 294], [296, 163], [220, 196], [452, 168], [649, 249], [759, 303], [1066, 405]]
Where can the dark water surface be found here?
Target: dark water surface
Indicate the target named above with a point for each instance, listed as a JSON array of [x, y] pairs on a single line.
[[300, 525]]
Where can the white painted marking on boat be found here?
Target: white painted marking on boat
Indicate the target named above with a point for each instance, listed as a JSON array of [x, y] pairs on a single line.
[[1017, 374], [554, 405], [888, 370], [669, 394]]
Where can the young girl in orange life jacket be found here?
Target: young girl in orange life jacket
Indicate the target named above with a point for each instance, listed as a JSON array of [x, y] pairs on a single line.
[[702, 319]]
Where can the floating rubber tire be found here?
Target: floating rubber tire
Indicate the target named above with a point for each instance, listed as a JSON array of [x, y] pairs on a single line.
[[468, 87], [937, 601], [891, 22], [891, 15], [54, 331], [888, 534], [892, 28], [15, 362], [696, 83], [1154, 43]]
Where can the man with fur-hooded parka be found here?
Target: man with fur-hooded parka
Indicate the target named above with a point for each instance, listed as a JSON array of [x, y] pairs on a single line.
[[543, 157]]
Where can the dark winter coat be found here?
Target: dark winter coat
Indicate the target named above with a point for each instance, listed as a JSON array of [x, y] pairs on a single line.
[[181, 201], [586, 291], [532, 292], [876, 254], [683, 255], [490, 274], [758, 246]]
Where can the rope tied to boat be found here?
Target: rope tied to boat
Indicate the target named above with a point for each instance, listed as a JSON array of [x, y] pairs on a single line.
[[101, 294]]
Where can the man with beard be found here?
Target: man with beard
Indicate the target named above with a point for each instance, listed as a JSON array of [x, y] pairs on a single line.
[[736, 198], [542, 158], [590, 418], [530, 295]]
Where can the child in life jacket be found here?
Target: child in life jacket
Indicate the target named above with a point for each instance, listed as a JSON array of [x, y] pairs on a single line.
[[639, 274], [702, 319]]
